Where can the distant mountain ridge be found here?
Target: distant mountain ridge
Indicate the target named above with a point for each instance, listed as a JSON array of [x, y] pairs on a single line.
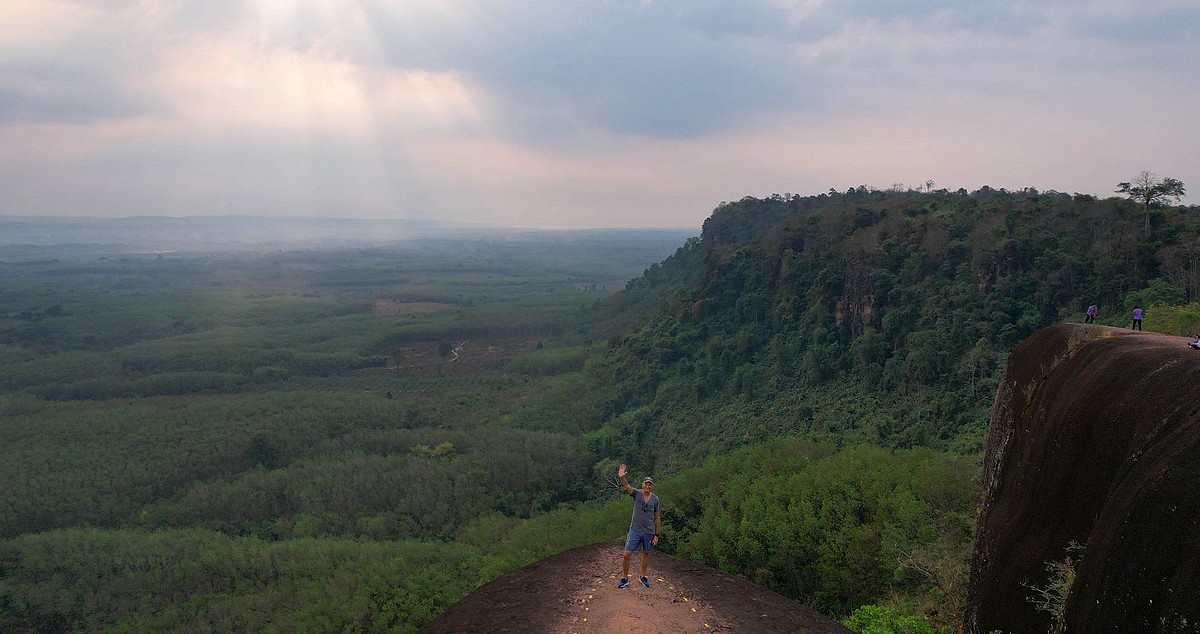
[[174, 232], [235, 232]]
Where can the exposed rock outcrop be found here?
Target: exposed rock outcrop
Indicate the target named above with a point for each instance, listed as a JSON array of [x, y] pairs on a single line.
[[1094, 438], [576, 591]]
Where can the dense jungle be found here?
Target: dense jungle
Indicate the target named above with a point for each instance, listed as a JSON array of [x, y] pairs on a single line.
[[353, 438]]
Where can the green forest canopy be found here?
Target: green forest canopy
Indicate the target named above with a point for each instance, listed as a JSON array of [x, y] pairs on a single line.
[[821, 363]]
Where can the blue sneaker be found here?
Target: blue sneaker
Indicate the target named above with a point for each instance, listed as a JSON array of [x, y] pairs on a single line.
[[645, 581], [622, 583]]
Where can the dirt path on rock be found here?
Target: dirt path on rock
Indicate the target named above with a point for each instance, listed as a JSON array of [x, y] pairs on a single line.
[[576, 592], [598, 605]]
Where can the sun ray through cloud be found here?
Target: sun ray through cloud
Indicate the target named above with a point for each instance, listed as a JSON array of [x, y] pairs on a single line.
[[545, 111]]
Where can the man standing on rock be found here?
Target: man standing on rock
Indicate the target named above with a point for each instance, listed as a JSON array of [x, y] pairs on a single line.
[[643, 528]]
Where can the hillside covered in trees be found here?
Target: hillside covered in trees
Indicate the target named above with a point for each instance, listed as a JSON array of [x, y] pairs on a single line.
[[241, 441], [878, 317]]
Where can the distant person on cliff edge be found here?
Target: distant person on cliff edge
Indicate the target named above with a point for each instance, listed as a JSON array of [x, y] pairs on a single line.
[[643, 528], [1137, 318], [1092, 311]]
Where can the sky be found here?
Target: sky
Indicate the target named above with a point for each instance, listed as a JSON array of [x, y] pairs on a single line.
[[579, 113]]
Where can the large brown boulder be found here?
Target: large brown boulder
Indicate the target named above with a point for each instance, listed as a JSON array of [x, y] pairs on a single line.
[[1094, 438]]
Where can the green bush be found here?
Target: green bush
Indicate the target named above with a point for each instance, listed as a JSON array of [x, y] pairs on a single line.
[[1158, 292], [874, 619], [823, 527], [1175, 320]]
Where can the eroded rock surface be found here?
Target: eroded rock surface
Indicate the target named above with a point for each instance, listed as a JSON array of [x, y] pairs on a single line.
[[1094, 438], [575, 592]]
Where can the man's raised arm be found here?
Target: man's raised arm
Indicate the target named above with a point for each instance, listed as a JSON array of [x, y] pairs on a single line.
[[624, 482]]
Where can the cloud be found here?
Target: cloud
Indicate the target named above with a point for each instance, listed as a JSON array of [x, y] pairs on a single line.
[[218, 83], [541, 70], [597, 112], [656, 68], [61, 61], [1159, 22]]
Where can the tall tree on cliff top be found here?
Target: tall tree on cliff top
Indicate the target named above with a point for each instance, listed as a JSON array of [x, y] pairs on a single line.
[[1148, 189]]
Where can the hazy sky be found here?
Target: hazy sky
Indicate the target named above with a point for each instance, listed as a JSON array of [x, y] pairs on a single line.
[[579, 113]]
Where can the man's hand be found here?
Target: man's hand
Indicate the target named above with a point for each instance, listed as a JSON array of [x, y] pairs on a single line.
[[624, 483], [655, 540]]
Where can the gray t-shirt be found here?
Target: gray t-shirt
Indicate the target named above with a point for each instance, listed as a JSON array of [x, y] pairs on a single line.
[[643, 512]]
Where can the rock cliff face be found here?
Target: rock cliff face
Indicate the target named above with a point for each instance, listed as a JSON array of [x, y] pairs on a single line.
[[1094, 438]]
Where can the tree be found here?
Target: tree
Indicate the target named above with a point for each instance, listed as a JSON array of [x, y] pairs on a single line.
[[1158, 292], [1148, 189], [1181, 265], [262, 451]]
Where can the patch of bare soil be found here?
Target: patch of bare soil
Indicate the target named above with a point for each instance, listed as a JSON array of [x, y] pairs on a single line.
[[469, 357], [576, 592], [389, 307]]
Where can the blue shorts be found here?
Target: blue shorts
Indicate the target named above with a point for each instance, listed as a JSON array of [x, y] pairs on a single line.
[[638, 539]]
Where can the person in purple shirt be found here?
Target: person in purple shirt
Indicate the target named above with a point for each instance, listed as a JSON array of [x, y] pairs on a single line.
[[1137, 318], [1092, 311]]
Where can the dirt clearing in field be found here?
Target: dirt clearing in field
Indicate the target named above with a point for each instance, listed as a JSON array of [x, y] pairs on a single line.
[[469, 356], [389, 307]]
